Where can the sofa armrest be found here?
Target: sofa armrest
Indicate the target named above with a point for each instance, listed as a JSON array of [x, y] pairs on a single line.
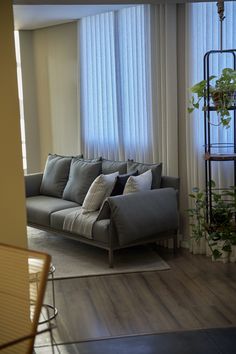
[[170, 182], [33, 183], [144, 214]]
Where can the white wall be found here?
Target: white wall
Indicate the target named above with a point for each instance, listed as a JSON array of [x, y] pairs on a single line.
[[52, 113], [12, 206]]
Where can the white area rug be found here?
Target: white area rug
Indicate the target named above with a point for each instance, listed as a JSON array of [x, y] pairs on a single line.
[[73, 259]]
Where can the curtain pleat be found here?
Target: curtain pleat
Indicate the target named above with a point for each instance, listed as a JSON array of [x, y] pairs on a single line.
[[164, 87], [98, 92]]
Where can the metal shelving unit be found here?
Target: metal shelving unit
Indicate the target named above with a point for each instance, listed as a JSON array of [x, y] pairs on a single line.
[[210, 155]]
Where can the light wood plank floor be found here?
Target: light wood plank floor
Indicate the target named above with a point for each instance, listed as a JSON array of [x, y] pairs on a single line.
[[195, 293]]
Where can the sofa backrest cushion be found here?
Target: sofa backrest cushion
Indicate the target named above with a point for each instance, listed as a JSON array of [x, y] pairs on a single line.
[[55, 175], [121, 182], [143, 167], [99, 190], [109, 166], [139, 183], [96, 159], [81, 176]]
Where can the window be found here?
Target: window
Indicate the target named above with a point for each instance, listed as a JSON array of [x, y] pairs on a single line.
[[115, 84], [20, 96]]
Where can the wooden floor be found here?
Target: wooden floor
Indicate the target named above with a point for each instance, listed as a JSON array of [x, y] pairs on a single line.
[[195, 294]]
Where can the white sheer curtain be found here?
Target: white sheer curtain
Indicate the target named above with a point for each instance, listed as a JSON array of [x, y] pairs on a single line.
[[202, 29], [128, 85], [100, 133], [164, 87]]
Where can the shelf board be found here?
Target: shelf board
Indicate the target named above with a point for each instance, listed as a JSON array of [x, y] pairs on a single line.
[[213, 108], [219, 157]]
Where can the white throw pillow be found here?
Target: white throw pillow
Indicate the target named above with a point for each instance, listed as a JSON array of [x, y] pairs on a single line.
[[99, 190], [138, 183]]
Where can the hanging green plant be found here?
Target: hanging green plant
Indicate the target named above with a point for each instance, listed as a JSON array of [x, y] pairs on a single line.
[[222, 94], [220, 232]]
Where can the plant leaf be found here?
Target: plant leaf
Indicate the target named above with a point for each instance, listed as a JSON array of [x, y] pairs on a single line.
[[216, 254], [190, 110]]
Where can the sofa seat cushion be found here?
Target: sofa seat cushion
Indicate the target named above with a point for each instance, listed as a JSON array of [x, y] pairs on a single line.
[[57, 218], [40, 208]]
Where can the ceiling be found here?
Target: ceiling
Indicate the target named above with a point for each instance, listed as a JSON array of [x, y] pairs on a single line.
[[28, 17], [33, 14]]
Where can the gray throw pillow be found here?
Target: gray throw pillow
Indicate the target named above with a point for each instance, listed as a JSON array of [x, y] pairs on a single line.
[[55, 175], [82, 174], [138, 183], [143, 167], [110, 166]]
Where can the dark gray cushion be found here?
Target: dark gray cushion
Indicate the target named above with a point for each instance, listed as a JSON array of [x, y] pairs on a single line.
[[40, 208], [82, 174], [55, 175], [109, 166], [143, 167]]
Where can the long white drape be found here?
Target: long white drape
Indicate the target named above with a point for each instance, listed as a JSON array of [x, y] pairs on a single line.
[[164, 87], [99, 113], [129, 85], [202, 29]]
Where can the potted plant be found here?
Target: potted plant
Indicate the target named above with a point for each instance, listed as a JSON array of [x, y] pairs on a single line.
[[222, 94], [220, 231]]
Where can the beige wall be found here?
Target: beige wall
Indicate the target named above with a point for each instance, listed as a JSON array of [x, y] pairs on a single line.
[[51, 92], [56, 70], [12, 206]]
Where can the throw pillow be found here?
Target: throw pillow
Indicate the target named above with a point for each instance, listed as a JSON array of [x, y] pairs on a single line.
[[82, 174], [93, 160], [120, 183], [143, 167], [139, 183], [100, 189], [109, 166], [55, 175]]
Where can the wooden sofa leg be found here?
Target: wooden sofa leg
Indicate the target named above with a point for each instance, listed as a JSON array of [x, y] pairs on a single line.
[[111, 258]]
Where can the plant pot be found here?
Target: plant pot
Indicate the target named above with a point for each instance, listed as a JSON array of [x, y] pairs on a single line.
[[223, 98], [226, 257]]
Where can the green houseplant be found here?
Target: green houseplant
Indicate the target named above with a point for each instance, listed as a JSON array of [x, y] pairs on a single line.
[[222, 93], [220, 232]]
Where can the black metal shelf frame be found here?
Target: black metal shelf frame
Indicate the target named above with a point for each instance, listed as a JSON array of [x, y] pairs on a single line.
[[207, 131]]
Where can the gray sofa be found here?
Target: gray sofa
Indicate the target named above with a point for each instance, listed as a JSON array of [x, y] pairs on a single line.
[[123, 220]]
